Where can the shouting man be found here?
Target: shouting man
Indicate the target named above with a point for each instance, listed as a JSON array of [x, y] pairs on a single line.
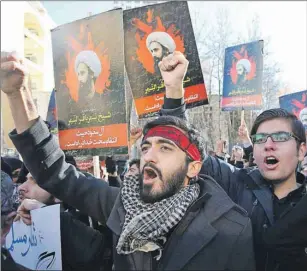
[[274, 194], [167, 218]]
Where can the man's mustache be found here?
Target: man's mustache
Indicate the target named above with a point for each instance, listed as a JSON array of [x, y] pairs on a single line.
[[151, 165]]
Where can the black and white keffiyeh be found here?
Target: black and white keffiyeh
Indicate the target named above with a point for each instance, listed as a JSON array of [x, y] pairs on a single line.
[[148, 223]]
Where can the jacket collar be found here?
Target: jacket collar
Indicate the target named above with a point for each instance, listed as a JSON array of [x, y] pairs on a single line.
[[198, 229], [194, 231], [263, 192]]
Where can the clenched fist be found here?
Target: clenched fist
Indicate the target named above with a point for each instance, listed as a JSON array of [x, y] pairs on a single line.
[[173, 70], [13, 73], [135, 134]]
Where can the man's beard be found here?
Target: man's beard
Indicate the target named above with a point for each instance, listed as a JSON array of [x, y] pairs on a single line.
[[242, 78], [85, 88], [157, 61], [157, 69], [170, 185]]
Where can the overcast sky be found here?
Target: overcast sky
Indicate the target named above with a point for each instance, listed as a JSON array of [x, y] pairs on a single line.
[[284, 22]]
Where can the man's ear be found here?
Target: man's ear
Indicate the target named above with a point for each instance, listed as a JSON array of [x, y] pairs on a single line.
[[302, 152], [194, 168]]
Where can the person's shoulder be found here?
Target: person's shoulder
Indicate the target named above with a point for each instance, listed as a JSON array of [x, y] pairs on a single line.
[[220, 205]]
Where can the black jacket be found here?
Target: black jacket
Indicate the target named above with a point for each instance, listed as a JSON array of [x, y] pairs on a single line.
[[82, 246], [7, 262], [247, 188], [215, 233]]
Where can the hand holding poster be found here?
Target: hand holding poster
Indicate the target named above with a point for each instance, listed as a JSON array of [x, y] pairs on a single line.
[[296, 103], [242, 85], [154, 32], [52, 118], [38, 246], [90, 91]]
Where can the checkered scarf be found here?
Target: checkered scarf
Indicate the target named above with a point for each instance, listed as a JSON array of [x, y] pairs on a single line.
[[148, 223]]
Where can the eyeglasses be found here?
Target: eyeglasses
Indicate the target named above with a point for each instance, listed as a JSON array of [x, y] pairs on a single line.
[[276, 137]]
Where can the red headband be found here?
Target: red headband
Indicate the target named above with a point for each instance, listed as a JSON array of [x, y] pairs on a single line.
[[178, 137]]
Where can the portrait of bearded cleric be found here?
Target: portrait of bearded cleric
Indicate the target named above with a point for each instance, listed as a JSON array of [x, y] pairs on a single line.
[[87, 68], [160, 44]]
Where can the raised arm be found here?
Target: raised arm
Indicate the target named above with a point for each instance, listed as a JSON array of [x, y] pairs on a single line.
[[41, 152], [173, 69]]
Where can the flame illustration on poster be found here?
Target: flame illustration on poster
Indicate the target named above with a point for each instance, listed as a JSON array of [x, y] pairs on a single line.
[[71, 79], [144, 29], [296, 103], [90, 89], [152, 33], [299, 105], [242, 84], [242, 55]]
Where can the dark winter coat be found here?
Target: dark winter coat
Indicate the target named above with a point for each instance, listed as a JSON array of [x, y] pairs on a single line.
[[215, 233], [246, 187]]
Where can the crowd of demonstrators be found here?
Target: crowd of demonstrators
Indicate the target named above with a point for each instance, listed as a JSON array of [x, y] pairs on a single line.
[[229, 215], [156, 215], [241, 157], [274, 193]]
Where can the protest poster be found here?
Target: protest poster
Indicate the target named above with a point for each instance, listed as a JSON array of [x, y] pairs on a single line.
[[242, 84], [37, 246], [52, 118], [296, 103], [88, 59], [151, 33]]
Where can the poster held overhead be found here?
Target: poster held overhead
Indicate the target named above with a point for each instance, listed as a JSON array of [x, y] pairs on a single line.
[[242, 84], [296, 103], [151, 33], [88, 59]]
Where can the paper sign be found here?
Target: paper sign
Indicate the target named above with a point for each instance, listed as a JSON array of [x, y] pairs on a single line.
[[37, 246]]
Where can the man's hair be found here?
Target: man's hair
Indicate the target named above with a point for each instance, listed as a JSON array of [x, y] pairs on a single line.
[[13, 162], [193, 134], [23, 173], [279, 113], [134, 162]]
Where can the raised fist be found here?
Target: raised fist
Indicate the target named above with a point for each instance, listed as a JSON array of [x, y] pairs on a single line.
[[13, 73], [173, 70]]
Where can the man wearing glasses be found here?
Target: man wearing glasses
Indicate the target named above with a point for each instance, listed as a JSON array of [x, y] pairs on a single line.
[[274, 194]]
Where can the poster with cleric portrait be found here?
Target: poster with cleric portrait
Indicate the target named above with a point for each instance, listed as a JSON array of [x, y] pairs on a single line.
[[242, 84], [151, 33], [90, 89], [296, 103]]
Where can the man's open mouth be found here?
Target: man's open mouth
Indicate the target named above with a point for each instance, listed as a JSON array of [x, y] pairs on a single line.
[[149, 173], [271, 160]]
